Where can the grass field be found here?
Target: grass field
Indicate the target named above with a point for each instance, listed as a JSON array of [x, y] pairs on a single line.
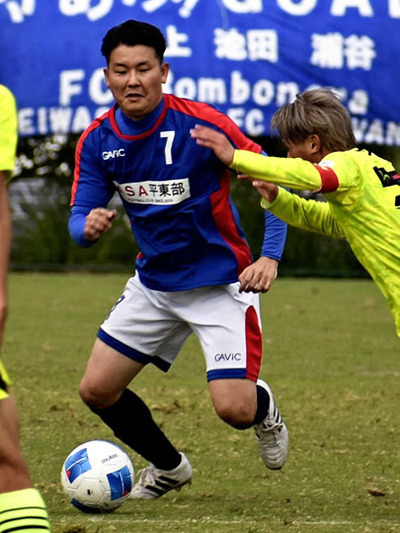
[[332, 358]]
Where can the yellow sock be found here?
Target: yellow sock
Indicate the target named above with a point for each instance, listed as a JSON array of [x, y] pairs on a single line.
[[23, 511]]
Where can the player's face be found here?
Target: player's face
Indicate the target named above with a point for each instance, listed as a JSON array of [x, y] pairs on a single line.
[[135, 77]]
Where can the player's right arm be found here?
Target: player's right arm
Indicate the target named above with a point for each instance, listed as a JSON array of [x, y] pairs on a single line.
[[292, 173], [97, 222], [91, 193]]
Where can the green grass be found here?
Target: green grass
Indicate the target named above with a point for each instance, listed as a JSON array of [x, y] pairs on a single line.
[[332, 358]]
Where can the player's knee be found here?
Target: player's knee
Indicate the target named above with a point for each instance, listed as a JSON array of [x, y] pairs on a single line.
[[236, 415], [86, 394], [92, 396], [14, 472]]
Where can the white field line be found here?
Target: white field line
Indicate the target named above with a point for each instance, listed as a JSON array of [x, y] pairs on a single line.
[[209, 520]]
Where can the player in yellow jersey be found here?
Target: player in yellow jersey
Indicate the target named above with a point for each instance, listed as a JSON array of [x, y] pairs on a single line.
[[362, 191], [21, 506]]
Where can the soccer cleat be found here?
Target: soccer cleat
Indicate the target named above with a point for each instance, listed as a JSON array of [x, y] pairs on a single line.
[[272, 435], [154, 483]]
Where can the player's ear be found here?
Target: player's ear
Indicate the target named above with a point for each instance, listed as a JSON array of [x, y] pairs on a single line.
[[105, 70], [164, 72], [314, 143]]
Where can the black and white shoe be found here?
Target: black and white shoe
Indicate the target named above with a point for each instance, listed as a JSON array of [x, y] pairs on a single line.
[[272, 435], [154, 483]]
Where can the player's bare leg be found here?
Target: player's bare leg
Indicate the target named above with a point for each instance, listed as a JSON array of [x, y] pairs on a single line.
[[21, 506], [235, 401], [108, 373], [243, 403], [14, 473], [104, 389]]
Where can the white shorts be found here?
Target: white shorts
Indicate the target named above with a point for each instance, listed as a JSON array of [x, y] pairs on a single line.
[[151, 327]]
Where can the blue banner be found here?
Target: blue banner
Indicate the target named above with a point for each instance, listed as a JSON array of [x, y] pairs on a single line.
[[245, 57]]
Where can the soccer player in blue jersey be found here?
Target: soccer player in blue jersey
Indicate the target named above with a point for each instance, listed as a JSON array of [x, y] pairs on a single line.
[[21, 506], [194, 273]]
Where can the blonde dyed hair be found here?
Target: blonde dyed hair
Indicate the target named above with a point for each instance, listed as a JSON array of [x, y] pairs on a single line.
[[319, 112]]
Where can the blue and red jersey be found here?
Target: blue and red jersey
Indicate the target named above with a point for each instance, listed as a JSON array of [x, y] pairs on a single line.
[[175, 193]]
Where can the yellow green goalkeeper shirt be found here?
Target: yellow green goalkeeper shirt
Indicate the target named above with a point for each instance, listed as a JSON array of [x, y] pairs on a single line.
[[363, 206], [8, 129]]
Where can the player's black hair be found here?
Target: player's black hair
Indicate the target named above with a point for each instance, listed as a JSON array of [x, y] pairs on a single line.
[[131, 33]]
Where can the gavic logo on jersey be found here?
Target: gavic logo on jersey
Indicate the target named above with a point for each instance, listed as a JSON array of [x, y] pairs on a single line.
[[112, 154], [228, 357]]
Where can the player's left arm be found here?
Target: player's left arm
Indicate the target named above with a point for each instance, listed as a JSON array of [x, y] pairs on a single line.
[[302, 213], [260, 275]]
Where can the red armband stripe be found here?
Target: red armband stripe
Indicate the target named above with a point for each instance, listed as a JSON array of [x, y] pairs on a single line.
[[329, 180]]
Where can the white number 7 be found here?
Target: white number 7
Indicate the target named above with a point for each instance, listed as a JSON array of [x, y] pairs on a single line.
[[169, 135]]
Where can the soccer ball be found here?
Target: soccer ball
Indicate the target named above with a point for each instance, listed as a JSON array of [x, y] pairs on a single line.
[[97, 477]]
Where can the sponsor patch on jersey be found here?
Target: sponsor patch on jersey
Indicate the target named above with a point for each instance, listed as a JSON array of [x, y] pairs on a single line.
[[155, 192], [387, 177]]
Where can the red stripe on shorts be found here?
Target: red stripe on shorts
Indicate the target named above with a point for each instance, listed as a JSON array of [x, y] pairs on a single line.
[[253, 344]]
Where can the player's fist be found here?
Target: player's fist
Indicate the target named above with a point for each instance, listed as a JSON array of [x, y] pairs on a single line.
[[98, 221]]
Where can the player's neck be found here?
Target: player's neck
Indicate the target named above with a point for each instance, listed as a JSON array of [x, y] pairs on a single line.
[[127, 126]]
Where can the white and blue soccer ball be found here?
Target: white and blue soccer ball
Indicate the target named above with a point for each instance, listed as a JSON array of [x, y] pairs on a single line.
[[97, 477]]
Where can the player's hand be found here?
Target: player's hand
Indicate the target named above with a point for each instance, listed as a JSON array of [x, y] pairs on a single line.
[[259, 276], [215, 140], [269, 191], [98, 221]]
